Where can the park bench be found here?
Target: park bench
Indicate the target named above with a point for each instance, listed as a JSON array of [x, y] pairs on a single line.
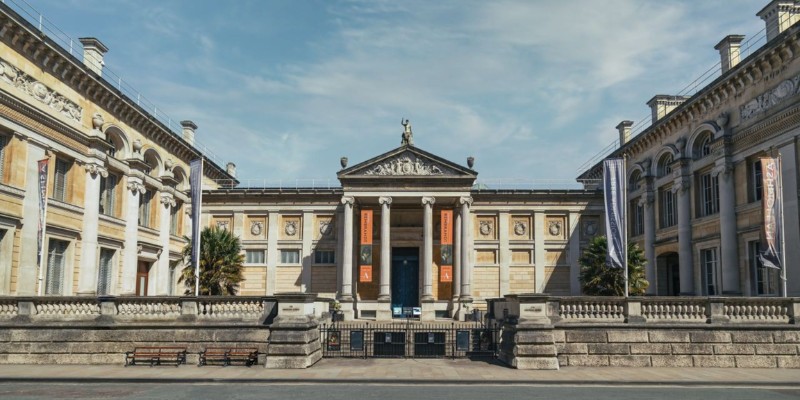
[[226, 355], [155, 354]]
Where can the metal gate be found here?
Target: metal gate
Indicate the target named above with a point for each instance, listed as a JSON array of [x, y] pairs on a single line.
[[409, 340]]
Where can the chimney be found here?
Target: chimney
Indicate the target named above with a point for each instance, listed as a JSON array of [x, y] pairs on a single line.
[[188, 131], [93, 51], [230, 168], [729, 51], [662, 104], [779, 15], [624, 129]]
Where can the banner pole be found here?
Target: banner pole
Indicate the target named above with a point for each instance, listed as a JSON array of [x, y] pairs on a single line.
[[783, 239], [624, 185], [197, 238], [42, 221]]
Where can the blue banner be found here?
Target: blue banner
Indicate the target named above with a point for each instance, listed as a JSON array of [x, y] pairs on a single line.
[[614, 196]]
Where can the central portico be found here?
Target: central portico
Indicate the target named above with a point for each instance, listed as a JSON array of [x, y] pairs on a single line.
[[407, 189]]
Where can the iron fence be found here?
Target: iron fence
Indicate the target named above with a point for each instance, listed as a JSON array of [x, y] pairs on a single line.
[[409, 340]]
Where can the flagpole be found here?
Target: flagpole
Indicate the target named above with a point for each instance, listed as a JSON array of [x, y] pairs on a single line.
[[625, 219], [43, 221], [197, 223], [783, 240]]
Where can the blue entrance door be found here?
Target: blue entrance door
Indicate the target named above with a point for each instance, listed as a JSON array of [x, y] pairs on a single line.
[[405, 278]]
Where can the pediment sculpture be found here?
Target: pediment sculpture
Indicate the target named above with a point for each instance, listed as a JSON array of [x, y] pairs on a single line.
[[405, 165]]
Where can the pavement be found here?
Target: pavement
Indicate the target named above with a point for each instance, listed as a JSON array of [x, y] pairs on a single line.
[[405, 371]]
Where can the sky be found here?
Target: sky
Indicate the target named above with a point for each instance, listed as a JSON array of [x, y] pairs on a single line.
[[531, 88]]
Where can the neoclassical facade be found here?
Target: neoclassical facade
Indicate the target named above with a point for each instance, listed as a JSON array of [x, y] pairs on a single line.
[[694, 176], [116, 189], [504, 242]]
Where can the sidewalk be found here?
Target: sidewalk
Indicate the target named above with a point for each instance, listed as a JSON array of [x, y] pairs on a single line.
[[405, 371]]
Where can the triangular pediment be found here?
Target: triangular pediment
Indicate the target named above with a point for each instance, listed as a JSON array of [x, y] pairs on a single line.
[[407, 162]]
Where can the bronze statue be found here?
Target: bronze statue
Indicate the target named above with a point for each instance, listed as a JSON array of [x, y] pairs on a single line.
[[408, 137]]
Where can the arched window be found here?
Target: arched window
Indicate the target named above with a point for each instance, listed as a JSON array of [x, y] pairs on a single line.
[[664, 167], [633, 183], [118, 143], [702, 146], [153, 161]]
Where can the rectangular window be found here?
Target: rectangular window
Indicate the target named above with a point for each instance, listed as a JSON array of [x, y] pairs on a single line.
[[668, 207], [324, 257], [290, 256], [754, 172], [173, 218], [765, 280], [60, 179], [709, 195], [254, 256], [173, 269], [708, 259], [55, 266], [4, 140], [144, 208], [105, 271], [108, 187], [637, 218]]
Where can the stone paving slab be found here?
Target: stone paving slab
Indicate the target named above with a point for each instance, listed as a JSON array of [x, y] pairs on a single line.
[[404, 371]]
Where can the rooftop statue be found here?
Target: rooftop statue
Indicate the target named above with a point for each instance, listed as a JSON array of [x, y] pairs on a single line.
[[408, 137]]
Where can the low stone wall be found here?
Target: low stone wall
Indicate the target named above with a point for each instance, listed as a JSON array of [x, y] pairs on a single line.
[[84, 330], [678, 346]]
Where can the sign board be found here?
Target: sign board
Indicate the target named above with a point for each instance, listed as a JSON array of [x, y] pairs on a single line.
[[334, 340], [462, 340], [417, 311], [365, 273], [356, 340]]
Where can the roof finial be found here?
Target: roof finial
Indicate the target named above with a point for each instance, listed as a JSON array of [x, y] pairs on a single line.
[[408, 137]]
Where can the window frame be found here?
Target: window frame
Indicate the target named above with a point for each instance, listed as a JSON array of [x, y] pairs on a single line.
[[707, 194], [637, 218], [108, 196], [319, 259], [109, 271], [709, 271], [667, 208], [289, 251], [761, 276], [755, 181], [263, 258], [50, 288], [5, 144], [61, 179], [145, 206]]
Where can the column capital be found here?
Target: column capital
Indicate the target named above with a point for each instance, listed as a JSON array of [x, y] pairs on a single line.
[[465, 200], [428, 200], [348, 200], [724, 168], [168, 200], [135, 185], [647, 199], [680, 184], [385, 200], [96, 167]]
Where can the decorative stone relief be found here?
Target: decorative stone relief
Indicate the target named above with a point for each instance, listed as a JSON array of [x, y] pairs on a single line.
[[95, 169], [325, 228], [223, 225], [22, 81], [485, 228], [169, 201], [554, 227], [407, 164], [520, 228], [256, 228], [590, 228], [135, 186], [290, 228], [776, 95], [724, 169]]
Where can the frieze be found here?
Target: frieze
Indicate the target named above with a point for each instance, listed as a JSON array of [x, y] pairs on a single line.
[[407, 165], [784, 90], [39, 91]]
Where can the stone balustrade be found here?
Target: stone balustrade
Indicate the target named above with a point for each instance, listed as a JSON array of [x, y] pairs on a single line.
[[206, 309]]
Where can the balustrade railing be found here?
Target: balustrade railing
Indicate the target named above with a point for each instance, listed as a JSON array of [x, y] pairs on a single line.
[[592, 308]]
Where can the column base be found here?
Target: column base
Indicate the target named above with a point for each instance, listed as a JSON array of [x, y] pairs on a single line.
[[428, 310], [384, 298], [348, 309]]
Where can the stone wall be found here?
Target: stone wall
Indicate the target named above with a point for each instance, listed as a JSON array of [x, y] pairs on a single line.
[[747, 346]]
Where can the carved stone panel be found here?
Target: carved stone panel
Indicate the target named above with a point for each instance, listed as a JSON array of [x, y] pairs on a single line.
[[325, 227], [255, 228], [485, 227], [520, 227], [590, 227], [222, 222], [486, 257], [290, 227], [40, 92], [521, 257], [555, 228], [407, 164]]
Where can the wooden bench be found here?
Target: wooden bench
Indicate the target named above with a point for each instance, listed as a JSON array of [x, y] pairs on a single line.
[[154, 355], [226, 355]]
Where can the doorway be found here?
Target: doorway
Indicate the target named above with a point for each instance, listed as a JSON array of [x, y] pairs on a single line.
[[405, 279], [669, 283], [142, 273]]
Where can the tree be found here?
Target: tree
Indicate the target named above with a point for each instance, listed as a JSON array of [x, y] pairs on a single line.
[[220, 263], [599, 278]]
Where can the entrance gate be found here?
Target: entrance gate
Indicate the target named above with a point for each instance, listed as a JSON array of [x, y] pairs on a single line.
[[410, 340]]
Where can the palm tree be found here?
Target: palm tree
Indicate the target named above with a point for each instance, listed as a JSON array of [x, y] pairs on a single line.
[[220, 263], [599, 278]]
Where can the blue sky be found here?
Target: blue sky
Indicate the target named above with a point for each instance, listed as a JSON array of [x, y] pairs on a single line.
[[531, 89]]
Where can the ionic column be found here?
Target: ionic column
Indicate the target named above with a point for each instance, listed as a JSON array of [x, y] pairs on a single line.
[[386, 250], [649, 239], [457, 257], [427, 251], [466, 249], [162, 269], [135, 188], [346, 290], [87, 278], [729, 258], [685, 260]]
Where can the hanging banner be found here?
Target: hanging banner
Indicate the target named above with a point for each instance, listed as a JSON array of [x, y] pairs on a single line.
[[446, 241], [365, 253], [42, 168], [613, 177], [196, 189], [771, 207]]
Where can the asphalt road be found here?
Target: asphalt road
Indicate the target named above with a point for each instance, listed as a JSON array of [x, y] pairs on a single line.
[[383, 392]]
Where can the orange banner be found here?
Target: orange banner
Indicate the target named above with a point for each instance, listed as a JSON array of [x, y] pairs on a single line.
[[446, 273], [447, 227], [366, 226], [365, 273]]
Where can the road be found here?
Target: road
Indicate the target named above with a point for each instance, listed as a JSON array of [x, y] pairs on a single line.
[[176, 391]]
